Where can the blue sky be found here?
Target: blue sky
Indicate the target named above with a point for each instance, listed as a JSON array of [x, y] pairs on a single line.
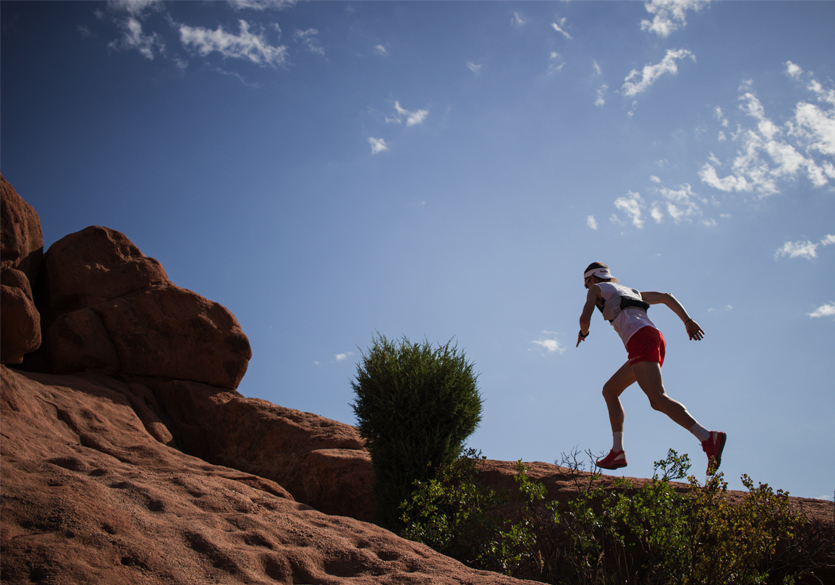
[[445, 171]]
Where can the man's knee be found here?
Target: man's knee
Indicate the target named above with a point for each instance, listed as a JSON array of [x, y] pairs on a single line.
[[610, 390]]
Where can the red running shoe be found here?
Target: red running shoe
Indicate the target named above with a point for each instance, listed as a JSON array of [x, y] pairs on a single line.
[[713, 448], [614, 460]]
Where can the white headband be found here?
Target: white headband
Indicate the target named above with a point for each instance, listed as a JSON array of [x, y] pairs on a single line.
[[600, 273]]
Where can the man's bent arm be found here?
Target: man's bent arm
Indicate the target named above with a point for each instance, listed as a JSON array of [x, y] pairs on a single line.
[[656, 298]]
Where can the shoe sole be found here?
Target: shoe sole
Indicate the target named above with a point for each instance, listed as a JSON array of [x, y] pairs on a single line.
[[715, 461], [611, 467]]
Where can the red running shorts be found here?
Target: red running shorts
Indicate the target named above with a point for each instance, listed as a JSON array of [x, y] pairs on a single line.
[[646, 345]]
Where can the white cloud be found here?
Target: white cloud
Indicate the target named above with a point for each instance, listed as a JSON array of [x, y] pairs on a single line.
[[517, 19], [134, 38], [245, 45], [475, 68], [600, 101], [769, 152], [377, 145], [816, 127], [559, 28], [260, 4], [310, 39], [549, 344], [597, 70], [827, 310], [651, 73], [412, 118], [805, 249], [631, 205], [341, 357], [381, 50], [134, 7], [591, 222], [669, 15], [793, 70]]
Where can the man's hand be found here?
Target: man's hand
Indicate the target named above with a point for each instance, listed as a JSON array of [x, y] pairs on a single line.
[[693, 330], [581, 338]]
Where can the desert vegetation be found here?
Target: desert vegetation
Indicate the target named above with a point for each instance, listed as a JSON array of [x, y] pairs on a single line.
[[663, 532]]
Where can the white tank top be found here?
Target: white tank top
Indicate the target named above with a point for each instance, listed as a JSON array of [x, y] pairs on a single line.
[[627, 321]]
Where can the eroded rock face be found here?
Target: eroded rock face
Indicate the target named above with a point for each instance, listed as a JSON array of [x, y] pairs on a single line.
[[20, 259], [109, 307], [94, 265], [20, 231], [20, 324], [317, 460], [90, 497]]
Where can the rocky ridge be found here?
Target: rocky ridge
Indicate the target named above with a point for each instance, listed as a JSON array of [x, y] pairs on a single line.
[[129, 456]]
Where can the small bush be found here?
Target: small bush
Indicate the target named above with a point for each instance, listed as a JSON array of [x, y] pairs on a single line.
[[415, 406], [458, 516], [660, 533]]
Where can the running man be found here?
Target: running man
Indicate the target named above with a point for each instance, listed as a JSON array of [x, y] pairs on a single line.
[[626, 309]]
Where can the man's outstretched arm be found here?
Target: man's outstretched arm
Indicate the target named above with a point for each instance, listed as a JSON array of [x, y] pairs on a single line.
[[588, 310], [656, 298]]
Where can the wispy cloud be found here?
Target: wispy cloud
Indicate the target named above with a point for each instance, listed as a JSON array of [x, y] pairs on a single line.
[[517, 19], [133, 7], [261, 4], [803, 249], [827, 310], [639, 81], [310, 39], [474, 67], [244, 45], [769, 153], [559, 28], [549, 343], [377, 145], [381, 50], [591, 222], [630, 204], [681, 204], [669, 15], [411, 118], [600, 100], [133, 38], [341, 357]]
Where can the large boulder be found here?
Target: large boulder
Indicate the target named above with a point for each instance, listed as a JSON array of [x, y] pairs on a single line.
[[92, 266], [20, 231], [20, 326], [109, 307], [20, 260]]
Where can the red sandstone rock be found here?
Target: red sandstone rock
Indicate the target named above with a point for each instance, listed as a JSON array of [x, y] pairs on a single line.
[[171, 332], [109, 307], [20, 322], [78, 341], [92, 266], [20, 231], [90, 497], [20, 259]]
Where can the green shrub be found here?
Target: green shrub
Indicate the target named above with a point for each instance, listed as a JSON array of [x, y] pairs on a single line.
[[663, 533], [460, 517], [660, 533], [415, 406]]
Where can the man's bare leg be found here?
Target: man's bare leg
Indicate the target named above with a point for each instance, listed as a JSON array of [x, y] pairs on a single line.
[[612, 389], [648, 375]]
